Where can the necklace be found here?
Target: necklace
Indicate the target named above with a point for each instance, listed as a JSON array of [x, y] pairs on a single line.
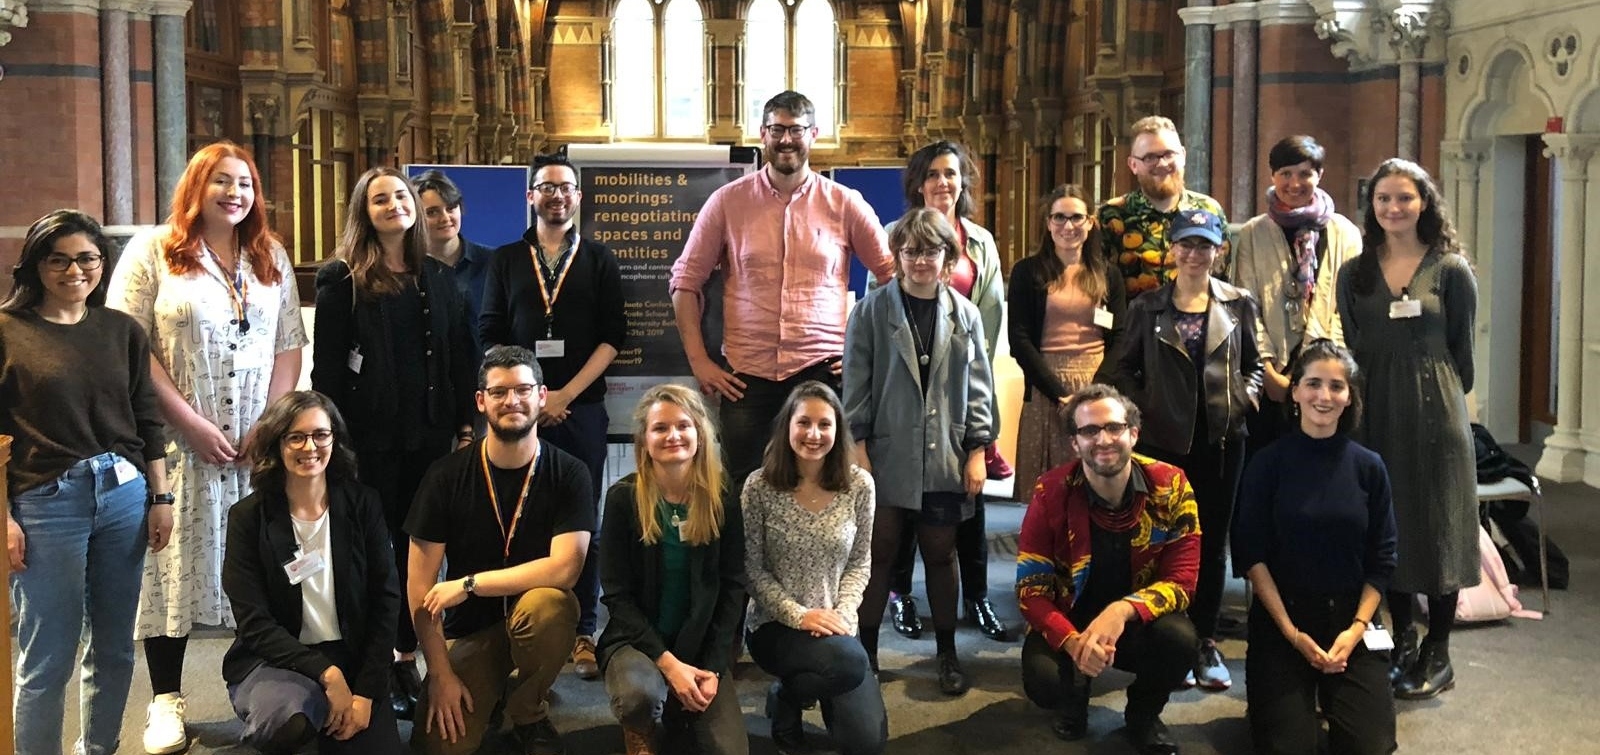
[[922, 346]]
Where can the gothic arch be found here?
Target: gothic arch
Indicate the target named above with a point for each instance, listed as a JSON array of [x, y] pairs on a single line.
[[1508, 97]]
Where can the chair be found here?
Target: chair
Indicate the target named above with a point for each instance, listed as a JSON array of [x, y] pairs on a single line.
[[1511, 489]]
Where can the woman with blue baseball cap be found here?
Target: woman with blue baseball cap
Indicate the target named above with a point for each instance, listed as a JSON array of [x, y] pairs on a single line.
[[1190, 361]]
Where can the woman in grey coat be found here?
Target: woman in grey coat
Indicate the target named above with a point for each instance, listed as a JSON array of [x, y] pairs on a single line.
[[918, 396]]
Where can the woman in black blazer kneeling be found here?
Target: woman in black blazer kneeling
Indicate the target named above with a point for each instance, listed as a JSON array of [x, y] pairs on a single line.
[[311, 577]]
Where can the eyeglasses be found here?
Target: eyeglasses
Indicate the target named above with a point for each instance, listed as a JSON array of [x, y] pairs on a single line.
[[778, 130], [500, 393], [913, 253], [1198, 247], [1075, 219], [58, 263], [1153, 159], [549, 189], [1091, 432], [318, 438]]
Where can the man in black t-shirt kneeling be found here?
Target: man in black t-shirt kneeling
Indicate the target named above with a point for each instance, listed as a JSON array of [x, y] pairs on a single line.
[[529, 502]]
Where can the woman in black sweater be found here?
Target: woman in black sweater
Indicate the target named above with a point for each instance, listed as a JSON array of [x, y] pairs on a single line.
[[672, 568], [1315, 535], [311, 578]]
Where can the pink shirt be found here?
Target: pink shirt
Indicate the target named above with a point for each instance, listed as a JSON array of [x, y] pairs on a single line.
[[787, 261], [1069, 320]]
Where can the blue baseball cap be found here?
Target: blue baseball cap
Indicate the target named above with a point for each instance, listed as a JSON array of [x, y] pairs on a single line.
[[1196, 223]]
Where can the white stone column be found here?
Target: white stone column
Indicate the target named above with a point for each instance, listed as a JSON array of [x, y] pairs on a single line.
[[1589, 413], [1459, 179], [1564, 454]]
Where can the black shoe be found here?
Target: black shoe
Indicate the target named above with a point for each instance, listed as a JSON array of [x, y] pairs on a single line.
[[1404, 654], [1430, 675], [787, 729], [981, 612], [952, 680], [538, 738], [405, 685], [903, 614], [1072, 720], [1150, 737]]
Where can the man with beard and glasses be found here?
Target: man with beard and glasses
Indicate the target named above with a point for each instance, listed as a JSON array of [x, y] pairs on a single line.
[[1134, 225], [784, 236], [528, 501], [561, 295], [1106, 560]]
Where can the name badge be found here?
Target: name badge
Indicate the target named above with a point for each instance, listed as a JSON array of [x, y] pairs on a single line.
[[1405, 309], [248, 357], [355, 360], [550, 347], [125, 470], [305, 566], [1377, 638], [1103, 317]]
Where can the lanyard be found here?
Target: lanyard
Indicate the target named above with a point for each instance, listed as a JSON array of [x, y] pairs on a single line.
[[551, 281], [238, 289], [494, 498]]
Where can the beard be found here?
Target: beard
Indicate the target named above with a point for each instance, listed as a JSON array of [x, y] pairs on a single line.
[[1162, 187], [510, 431], [800, 153], [1105, 469]]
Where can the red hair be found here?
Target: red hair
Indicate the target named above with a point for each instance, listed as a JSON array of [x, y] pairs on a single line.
[[183, 243]]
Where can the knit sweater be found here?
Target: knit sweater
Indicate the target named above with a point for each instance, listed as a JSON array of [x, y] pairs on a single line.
[[1053, 549], [74, 391], [797, 560]]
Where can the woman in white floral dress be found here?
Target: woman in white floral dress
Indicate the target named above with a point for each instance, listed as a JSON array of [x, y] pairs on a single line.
[[216, 293]]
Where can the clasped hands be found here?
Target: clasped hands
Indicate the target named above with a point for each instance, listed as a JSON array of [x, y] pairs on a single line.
[[1094, 648], [1334, 659]]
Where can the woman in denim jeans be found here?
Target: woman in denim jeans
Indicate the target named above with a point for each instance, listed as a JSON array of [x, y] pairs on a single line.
[[88, 484]]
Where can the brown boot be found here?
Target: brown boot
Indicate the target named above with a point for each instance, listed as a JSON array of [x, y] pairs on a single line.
[[639, 742]]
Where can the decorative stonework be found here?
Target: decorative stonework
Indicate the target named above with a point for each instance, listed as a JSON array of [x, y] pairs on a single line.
[[13, 15], [578, 30], [1410, 29], [1561, 51]]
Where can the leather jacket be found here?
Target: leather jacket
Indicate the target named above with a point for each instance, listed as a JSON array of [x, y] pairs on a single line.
[[1153, 368]]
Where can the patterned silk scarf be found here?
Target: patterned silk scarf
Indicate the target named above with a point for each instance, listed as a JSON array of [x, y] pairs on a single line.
[[1307, 223]]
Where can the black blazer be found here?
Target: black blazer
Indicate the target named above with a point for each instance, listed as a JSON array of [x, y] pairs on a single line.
[[1025, 330], [631, 576], [368, 399], [1153, 368], [268, 609]]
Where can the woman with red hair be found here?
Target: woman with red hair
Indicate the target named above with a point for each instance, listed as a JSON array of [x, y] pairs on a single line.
[[215, 290]]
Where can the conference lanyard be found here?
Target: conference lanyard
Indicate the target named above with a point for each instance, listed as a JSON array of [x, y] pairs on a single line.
[[494, 498], [238, 289], [551, 281]]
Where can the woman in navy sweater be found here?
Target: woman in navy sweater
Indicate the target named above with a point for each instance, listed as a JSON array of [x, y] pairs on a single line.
[[1315, 535]]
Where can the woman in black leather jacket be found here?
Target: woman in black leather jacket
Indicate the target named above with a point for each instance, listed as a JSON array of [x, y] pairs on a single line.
[[1190, 361]]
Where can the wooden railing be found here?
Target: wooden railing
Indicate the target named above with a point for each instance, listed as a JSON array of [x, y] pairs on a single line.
[[6, 737]]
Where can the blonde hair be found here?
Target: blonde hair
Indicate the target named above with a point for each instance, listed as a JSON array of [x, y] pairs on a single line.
[[705, 478], [1151, 124]]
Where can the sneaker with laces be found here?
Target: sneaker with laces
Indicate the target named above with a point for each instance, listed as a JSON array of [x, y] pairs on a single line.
[[1209, 671], [163, 725], [583, 658]]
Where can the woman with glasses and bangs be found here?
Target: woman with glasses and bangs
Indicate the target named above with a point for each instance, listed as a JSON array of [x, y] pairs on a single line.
[[394, 352], [311, 578], [88, 483], [918, 394], [1067, 312]]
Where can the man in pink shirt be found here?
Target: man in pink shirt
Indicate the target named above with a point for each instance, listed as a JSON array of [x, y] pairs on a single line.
[[783, 236]]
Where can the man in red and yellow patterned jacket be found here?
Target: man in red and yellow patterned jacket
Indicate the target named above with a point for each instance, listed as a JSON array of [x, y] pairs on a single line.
[[1106, 561]]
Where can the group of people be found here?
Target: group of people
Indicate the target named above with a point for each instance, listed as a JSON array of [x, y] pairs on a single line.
[[1302, 386]]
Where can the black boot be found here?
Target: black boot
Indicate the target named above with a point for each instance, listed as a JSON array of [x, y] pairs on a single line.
[[1072, 719], [1404, 654], [1430, 675], [903, 615], [1149, 736], [981, 612]]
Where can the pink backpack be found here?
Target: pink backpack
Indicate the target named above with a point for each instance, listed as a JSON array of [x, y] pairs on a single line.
[[1494, 597]]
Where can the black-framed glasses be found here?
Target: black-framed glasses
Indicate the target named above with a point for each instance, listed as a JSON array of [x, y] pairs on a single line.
[[318, 438], [778, 130], [1075, 219], [1194, 247], [500, 393], [58, 263], [1091, 432], [565, 189], [1152, 159], [922, 253]]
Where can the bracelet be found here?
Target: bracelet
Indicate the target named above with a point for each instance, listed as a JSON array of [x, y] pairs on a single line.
[[157, 499]]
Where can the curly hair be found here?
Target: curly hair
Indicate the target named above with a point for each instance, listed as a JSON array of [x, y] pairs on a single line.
[[1433, 226]]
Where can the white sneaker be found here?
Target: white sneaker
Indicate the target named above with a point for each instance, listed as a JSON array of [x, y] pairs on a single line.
[[163, 725]]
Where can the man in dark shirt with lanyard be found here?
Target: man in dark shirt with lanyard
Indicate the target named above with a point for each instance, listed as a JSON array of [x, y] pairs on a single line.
[[561, 295], [510, 516]]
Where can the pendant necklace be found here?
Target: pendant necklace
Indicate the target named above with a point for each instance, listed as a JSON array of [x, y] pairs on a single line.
[[922, 347]]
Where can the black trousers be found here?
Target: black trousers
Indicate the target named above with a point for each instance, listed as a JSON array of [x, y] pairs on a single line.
[[1159, 654], [583, 435], [747, 423], [972, 556], [396, 475], [1213, 471], [1284, 690]]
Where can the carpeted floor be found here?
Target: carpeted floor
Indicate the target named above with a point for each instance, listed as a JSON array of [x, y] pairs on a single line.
[[1523, 686]]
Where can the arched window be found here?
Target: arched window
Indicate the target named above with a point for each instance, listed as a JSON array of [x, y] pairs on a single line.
[[658, 71], [790, 44]]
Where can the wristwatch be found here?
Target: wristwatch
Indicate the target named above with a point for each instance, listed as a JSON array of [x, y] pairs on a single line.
[[160, 498], [470, 584]]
